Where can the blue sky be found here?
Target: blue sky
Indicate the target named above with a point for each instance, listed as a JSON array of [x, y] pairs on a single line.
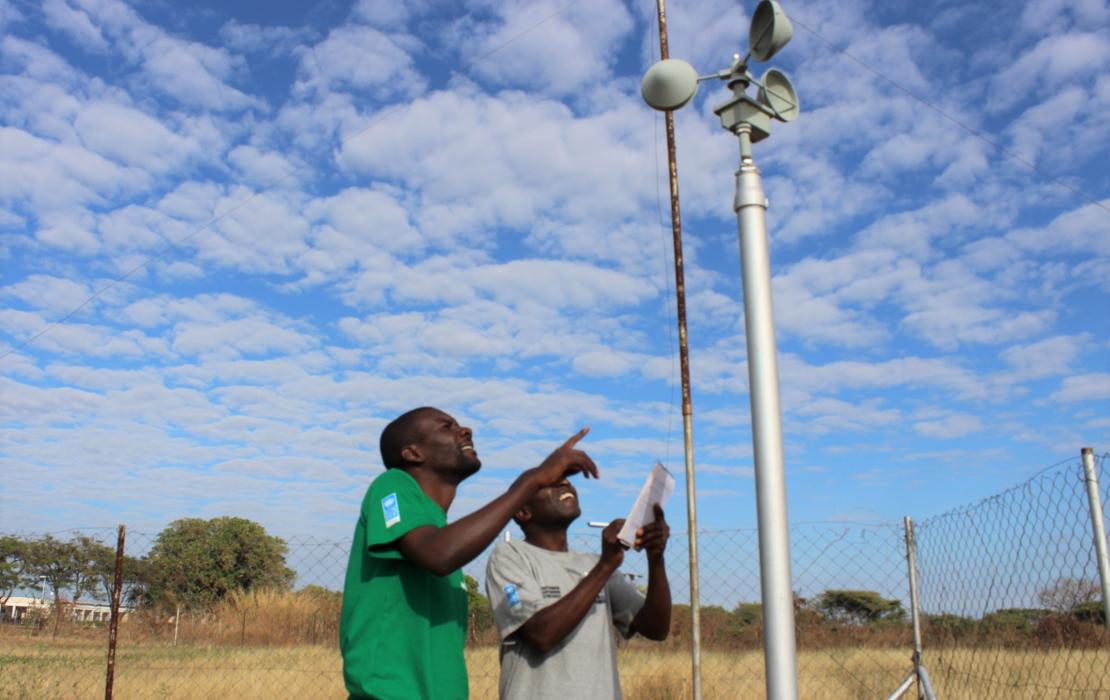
[[237, 238]]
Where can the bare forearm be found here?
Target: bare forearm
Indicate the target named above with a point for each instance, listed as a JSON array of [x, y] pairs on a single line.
[[549, 626], [442, 550], [654, 619]]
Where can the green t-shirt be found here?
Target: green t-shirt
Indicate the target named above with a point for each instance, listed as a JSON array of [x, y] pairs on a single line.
[[402, 627]]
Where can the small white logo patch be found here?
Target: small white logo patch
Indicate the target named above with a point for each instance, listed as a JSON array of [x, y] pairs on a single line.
[[390, 511]]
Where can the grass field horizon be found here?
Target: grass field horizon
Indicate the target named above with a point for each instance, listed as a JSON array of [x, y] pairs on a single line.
[[42, 667]]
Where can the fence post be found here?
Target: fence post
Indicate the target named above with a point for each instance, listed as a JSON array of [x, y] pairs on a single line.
[[1095, 501], [113, 625], [915, 608]]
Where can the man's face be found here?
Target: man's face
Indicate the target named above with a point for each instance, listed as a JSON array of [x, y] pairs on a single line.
[[446, 445], [555, 505]]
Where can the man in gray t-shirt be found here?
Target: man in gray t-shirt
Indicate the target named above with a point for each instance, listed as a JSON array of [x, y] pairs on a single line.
[[558, 612]]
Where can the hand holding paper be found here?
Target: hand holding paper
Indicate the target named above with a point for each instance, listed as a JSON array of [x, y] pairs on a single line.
[[657, 489]]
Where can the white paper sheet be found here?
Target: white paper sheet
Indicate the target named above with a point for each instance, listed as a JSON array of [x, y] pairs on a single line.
[[657, 489]]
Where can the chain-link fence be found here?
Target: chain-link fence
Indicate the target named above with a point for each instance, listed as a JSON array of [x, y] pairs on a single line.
[[1011, 593], [1008, 587]]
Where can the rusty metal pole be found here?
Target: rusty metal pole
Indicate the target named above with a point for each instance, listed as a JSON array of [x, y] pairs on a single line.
[[684, 365], [113, 625]]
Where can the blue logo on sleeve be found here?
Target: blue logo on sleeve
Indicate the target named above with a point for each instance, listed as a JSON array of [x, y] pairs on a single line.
[[390, 511], [511, 595]]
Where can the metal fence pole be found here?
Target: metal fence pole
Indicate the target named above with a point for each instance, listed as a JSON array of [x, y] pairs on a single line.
[[1095, 501], [113, 625], [915, 608]]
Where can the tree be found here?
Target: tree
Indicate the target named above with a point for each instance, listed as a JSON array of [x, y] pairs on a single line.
[[1066, 594], [67, 566], [11, 566], [134, 577], [481, 616], [318, 593], [859, 607], [196, 562], [748, 614], [1019, 619]]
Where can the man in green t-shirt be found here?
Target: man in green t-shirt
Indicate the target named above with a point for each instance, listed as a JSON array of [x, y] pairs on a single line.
[[404, 614]]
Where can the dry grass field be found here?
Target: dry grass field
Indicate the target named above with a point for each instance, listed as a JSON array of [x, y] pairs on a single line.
[[40, 668]]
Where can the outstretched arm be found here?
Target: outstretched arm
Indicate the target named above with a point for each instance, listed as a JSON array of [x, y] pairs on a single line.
[[441, 550], [550, 625], [654, 619]]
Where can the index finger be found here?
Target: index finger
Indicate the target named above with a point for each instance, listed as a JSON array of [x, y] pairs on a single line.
[[586, 465], [573, 439], [658, 512]]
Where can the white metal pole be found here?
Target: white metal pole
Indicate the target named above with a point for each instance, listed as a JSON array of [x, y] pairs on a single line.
[[1095, 501], [915, 605], [763, 388]]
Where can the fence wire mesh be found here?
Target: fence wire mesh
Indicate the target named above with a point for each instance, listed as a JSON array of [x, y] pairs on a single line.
[[1011, 593], [1009, 588]]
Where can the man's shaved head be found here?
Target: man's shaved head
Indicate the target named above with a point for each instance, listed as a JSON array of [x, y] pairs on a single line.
[[400, 432]]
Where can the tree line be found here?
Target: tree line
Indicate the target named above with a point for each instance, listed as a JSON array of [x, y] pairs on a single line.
[[192, 564], [195, 564]]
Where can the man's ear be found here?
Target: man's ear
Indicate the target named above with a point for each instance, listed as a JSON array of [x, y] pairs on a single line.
[[523, 515], [411, 454]]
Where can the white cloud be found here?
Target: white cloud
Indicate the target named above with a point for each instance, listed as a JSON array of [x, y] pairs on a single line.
[[364, 220], [1054, 59], [258, 38], [602, 363], [248, 336], [825, 415], [148, 144], [50, 294], [950, 426], [1092, 386], [544, 47], [79, 339], [913, 231], [1047, 357], [36, 62], [9, 14], [561, 285], [1077, 115], [814, 197], [499, 245], [1039, 16], [76, 23], [705, 34], [386, 14], [812, 298], [505, 160], [909, 372], [251, 231], [193, 74], [1085, 231], [54, 175], [70, 229], [360, 59], [262, 169], [134, 228]]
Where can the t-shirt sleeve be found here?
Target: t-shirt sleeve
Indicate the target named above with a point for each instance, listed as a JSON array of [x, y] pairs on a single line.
[[394, 507], [625, 600], [513, 591]]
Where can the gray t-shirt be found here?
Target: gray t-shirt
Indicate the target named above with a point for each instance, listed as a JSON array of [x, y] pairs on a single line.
[[522, 579]]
